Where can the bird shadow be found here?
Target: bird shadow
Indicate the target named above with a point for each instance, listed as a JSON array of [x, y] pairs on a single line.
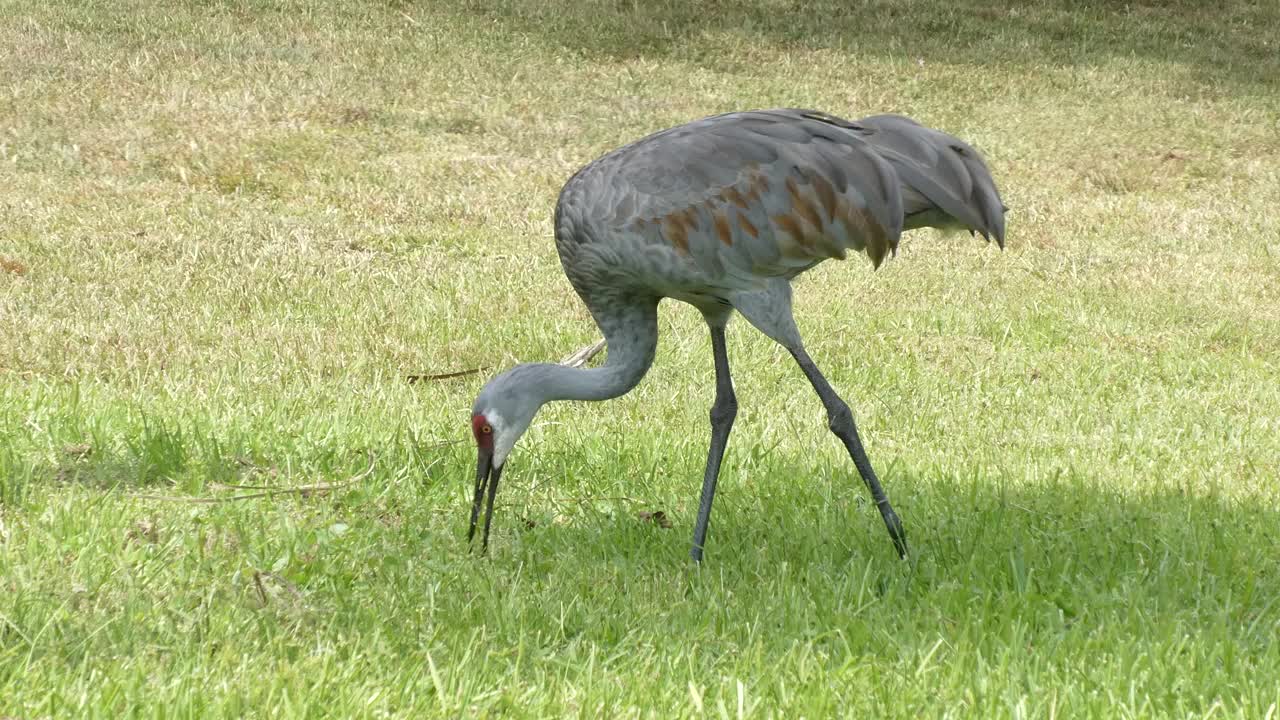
[[813, 553], [1216, 44]]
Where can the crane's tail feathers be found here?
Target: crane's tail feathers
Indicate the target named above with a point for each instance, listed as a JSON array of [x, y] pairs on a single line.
[[944, 181]]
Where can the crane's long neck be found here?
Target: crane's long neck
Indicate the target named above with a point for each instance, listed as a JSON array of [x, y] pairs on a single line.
[[631, 333]]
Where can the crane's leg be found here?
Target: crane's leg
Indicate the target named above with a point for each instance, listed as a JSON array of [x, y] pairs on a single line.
[[840, 420], [723, 411]]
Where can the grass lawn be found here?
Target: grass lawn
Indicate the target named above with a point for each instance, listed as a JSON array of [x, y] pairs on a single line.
[[229, 231]]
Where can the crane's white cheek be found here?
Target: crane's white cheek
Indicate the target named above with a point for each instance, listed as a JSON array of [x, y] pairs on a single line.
[[502, 448]]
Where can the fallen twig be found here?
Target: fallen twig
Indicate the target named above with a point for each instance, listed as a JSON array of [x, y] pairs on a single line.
[[443, 376], [303, 490], [580, 357], [577, 358]]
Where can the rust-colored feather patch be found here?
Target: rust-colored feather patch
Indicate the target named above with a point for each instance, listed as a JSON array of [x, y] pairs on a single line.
[[792, 226], [691, 218], [869, 229], [878, 245], [721, 220], [787, 224], [757, 185], [862, 226], [746, 224], [674, 231], [801, 205], [731, 194], [826, 195]]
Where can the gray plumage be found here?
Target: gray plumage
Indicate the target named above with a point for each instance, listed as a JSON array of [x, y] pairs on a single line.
[[723, 213], [945, 183]]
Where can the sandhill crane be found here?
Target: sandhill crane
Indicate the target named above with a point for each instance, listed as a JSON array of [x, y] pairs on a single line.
[[722, 213]]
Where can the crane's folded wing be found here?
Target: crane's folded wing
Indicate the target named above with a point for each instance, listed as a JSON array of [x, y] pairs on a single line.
[[749, 195]]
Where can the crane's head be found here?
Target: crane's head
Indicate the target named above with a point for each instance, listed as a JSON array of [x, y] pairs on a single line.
[[500, 415]]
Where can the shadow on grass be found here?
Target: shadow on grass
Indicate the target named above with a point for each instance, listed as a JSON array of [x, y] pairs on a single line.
[[814, 555], [1228, 43]]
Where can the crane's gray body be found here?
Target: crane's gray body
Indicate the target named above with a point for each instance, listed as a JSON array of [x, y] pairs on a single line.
[[719, 210], [723, 213]]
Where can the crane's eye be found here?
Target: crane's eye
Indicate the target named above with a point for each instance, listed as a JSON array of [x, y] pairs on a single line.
[[486, 429]]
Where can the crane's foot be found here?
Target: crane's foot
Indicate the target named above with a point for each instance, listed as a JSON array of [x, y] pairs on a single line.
[[695, 553], [896, 532]]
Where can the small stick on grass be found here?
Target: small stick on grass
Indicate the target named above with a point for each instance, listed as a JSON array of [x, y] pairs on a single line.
[[578, 358], [581, 356], [443, 376], [303, 490]]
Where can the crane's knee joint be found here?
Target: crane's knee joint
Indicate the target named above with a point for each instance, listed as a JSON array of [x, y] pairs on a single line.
[[725, 409], [839, 417]]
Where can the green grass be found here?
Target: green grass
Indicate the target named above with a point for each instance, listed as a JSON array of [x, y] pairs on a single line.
[[229, 231]]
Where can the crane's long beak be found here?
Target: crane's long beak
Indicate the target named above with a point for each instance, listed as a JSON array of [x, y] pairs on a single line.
[[486, 477]]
